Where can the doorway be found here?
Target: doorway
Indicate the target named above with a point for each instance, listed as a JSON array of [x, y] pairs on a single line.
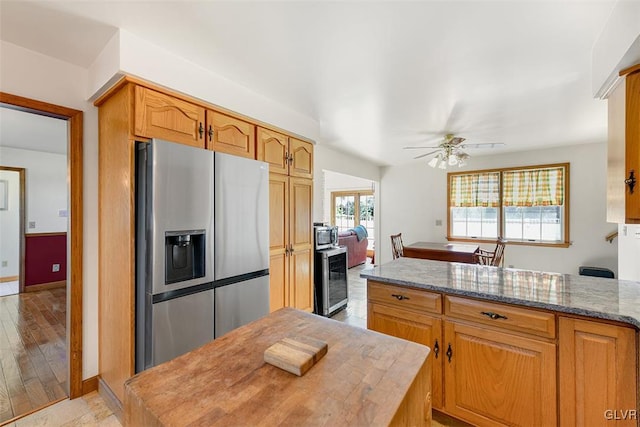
[[68, 306], [11, 229]]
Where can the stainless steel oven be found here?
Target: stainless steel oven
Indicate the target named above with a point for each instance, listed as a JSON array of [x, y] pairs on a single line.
[[331, 282]]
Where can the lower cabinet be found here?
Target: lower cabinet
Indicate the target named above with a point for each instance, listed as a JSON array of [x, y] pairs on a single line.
[[597, 374], [416, 327], [495, 378], [503, 365]]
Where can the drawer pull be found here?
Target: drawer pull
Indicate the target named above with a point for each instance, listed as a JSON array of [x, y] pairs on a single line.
[[436, 349], [449, 353], [493, 315], [399, 297]]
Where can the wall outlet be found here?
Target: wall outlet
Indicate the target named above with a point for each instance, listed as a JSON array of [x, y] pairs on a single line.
[[55, 268], [32, 224], [438, 223], [63, 213], [5, 263]]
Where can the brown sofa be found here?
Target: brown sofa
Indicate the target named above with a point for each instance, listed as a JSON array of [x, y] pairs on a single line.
[[356, 251]]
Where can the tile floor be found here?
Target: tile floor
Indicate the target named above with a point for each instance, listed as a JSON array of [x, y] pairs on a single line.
[[8, 288], [91, 409]]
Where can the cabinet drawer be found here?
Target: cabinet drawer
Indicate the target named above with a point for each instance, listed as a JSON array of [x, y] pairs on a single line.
[[503, 316], [404, 297]]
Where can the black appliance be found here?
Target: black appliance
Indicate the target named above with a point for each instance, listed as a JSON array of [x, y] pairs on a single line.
[[331, 281]]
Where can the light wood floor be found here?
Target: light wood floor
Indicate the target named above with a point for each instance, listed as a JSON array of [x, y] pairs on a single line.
[[33, 359]]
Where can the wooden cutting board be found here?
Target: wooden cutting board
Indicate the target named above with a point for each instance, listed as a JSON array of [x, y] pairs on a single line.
[[296, 355]]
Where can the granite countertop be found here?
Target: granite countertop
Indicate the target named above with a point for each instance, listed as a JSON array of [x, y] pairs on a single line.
[[595, 297]]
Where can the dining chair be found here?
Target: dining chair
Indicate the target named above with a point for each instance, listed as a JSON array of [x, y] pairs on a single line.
[[491, 258], [396, 245]]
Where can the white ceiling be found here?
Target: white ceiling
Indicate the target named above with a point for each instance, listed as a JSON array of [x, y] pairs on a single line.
[[29, 131], [377, 76]]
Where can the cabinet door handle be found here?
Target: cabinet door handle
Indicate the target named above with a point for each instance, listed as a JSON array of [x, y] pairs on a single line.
[[290, 159], [201, 130], [449, 353], [436, 349], [286, 157], [493, 315], [210, 133], [631, 181], [399, 297]]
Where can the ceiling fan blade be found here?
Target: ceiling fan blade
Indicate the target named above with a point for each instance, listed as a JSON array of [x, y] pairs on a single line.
[[424, 155], [484, 145], [417, 148], [456, 140]]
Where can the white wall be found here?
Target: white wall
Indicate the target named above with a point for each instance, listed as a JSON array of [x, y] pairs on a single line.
[[415, 196], [33, 75], [629, 252], [9, 225], [45, 187]]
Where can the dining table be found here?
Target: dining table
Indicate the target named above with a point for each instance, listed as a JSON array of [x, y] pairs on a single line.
[[452, 252]]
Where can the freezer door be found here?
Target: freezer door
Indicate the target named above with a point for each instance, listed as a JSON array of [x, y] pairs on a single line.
[[181, 324], [181, 200], [241, 216], [241, 303]]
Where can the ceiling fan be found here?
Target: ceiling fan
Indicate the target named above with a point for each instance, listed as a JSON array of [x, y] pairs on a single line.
[[450, 151]]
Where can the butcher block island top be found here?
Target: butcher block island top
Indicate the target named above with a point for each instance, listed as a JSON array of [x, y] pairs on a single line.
[[365, 378]]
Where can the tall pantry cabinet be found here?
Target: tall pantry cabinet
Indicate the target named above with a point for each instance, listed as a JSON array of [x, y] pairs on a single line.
[[135, 110], [290, 217]]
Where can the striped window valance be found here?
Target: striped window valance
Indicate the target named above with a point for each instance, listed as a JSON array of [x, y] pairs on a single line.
[[475, 190], [533, 187]]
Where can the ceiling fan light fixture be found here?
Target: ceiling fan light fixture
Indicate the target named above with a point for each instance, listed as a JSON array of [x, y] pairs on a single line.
[[453, 159], [434, 162], [443, 164]]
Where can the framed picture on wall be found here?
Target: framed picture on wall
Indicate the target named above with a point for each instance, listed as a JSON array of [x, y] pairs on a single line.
[[4, 195]]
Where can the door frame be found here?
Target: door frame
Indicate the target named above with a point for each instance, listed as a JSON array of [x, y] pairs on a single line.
[[74, 238], [21, 222]]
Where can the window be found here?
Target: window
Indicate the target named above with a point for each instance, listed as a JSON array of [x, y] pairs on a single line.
[[525, 205], [353, 208]]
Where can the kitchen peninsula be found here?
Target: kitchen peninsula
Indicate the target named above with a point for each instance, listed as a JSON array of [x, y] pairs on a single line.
[[516, 347], [364, 379]]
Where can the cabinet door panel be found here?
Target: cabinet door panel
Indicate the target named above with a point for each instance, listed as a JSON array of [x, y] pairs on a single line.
[[278, 213], [632, 138], [300, 215], [301, 279], [597, 369], [278, 282], [273, 148], [426, 330], [229, 135], [161, 116], [499, 379], [302, 155]]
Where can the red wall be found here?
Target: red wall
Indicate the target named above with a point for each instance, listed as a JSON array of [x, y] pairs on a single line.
[[41, 252]]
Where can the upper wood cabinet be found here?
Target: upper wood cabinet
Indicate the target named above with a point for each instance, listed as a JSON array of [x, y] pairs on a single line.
[[300, 158], [623, 153], [597, 373], [229, 135], [285, 155], [162, 116]]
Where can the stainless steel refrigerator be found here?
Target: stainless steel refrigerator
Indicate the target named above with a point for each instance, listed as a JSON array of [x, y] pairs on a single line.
[[202, 247]]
